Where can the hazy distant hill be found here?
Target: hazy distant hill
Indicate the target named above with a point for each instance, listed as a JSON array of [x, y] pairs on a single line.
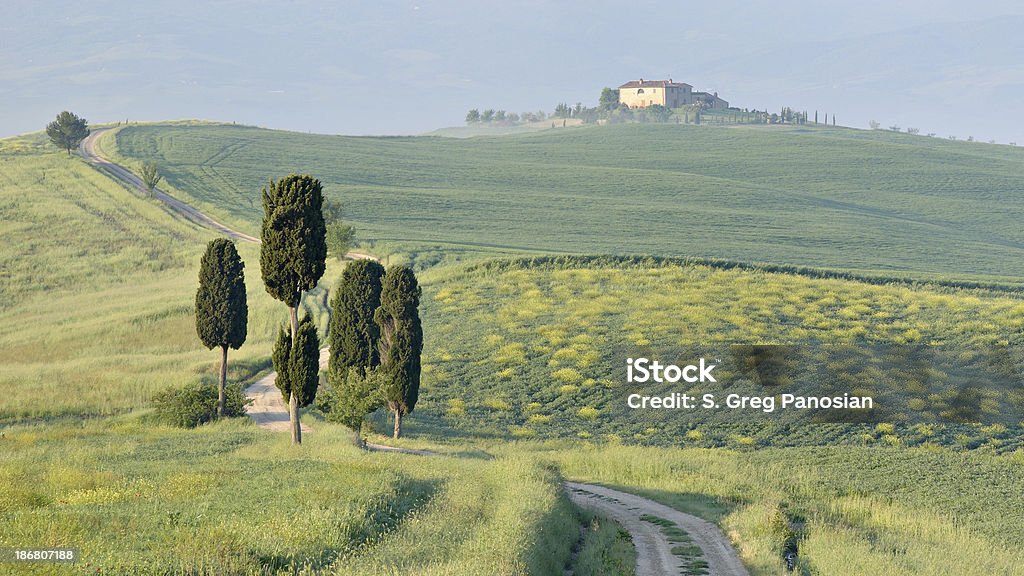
[[404, 66], [959, 79]]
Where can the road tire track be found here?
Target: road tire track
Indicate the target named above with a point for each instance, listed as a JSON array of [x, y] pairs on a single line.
[[127, 178], [653, 550]]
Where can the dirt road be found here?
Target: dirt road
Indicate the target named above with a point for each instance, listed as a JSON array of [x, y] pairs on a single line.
[[126, 177], [268, 409], [177, 207], [653, 550]]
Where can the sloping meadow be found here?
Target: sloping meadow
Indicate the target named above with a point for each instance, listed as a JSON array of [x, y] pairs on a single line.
[[228, 498], [538, 348]]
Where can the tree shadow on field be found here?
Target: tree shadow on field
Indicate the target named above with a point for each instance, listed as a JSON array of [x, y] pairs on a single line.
[[387, 514]]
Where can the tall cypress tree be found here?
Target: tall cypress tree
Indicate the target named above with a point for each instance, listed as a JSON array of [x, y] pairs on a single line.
[[354, 334], [292, 257], [298, 363], [354, 337], [221, 308], [401, 341]]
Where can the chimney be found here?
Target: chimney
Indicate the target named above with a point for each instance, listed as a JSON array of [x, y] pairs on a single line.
[[641, 81]]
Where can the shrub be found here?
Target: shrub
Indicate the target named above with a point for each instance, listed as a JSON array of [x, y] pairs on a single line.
[[196, 403], [496, 404], [567, 375]]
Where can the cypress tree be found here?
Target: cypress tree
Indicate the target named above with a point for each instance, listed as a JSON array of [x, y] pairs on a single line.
[[298, 363], [221, 308], [401, 341], [354, 337], [354, 334], [292, 257]]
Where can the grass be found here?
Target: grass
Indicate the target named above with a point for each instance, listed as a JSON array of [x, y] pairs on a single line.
[[544, 345], [813, 196], [606, 549], [860, 511], [96, 317], [83, 465], [96, 303], [137, 498], [690, 555]]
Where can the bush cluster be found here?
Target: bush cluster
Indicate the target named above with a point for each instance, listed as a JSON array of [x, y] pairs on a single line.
[[196, 403]]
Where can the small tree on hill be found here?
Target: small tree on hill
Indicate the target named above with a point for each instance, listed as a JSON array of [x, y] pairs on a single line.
[[657, 113], [473, 116], [609, 100], [339, 236], [401, 341], [221, 308], [150, 176], [355, 395], [292, 256], [67, 131]]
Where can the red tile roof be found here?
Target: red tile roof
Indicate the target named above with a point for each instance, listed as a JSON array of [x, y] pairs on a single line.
[[653, 84]]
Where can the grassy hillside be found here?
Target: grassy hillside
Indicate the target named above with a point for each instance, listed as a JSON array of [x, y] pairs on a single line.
[[97, 317], [97, 292], [231, 499], [98, 287], [537, 348], [835, 198]]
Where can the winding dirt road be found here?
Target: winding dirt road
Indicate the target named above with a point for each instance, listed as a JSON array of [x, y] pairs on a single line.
[[129, 179], [126, 177], [268, 411], [653, 549]]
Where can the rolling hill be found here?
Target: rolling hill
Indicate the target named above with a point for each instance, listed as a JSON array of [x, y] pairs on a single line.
[[834, 198], [97, 318]]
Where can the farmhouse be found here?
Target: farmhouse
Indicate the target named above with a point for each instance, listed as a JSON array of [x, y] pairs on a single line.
[[711, 101], [643, 93]]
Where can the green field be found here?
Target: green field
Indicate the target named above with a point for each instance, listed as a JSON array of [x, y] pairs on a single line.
[[535, 348], [134, 498], [520, 355], [834, 198]]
